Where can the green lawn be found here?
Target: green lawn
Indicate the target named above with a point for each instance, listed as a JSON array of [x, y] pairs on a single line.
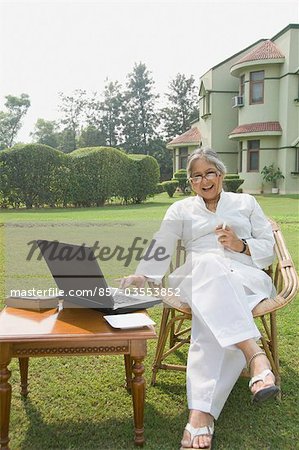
[[80, 403]]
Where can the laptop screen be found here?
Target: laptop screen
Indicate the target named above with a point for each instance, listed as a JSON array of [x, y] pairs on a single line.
[[76, 272]]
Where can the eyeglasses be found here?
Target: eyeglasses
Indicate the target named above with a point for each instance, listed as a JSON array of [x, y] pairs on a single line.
[[208, 176]]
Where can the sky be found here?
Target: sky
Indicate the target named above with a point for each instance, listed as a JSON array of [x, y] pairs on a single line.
[[47, 47]]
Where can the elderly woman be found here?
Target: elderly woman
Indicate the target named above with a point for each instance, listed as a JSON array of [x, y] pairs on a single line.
[[228, 242]]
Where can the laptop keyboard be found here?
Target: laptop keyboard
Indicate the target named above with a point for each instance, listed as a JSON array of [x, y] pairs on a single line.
[[122, 299]]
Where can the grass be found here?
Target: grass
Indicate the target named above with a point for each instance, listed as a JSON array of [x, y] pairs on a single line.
[[80, 403]]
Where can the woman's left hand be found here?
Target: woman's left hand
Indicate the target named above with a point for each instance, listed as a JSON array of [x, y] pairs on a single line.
[[228, 238]]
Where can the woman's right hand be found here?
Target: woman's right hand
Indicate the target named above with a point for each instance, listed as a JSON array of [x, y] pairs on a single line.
[[136, 280]]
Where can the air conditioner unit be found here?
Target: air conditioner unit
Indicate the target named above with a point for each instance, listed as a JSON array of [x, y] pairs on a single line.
[[238, 101]]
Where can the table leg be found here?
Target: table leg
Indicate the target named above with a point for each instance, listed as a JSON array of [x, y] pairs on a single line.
[[128, 367], [23, 364], [138, 394], [5, 395]]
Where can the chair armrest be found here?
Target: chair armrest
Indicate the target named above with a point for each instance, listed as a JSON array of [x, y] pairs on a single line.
[[172, 301]]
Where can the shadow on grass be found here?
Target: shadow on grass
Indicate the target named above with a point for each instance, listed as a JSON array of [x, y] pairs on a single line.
[[116, 207], [110, 434], [240, 426]]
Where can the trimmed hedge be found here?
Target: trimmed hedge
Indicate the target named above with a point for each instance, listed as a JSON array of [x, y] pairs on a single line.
[[38, 175], [98, 173], [170, 187], [181, 177], [232, 182], [143, 177], [231, 176], [160, 188], [33, 175]]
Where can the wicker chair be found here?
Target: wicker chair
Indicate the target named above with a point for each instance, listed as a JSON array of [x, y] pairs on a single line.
[[176, 326]]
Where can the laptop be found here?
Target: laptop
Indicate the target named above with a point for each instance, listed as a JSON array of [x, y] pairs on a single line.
[[77, 273]]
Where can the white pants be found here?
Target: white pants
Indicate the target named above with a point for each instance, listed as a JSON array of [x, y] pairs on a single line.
[[221, 317]]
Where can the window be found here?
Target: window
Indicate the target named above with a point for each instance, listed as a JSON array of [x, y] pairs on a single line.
[[242, 85], [253, 156], [240, 156], [183, 156], [206, 104], [257, 87], [297, 161]]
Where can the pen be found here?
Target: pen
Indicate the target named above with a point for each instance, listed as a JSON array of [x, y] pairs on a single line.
[[223, 225]]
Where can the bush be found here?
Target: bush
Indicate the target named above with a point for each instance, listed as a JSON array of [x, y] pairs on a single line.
[[143, 177], [231, 176], [61, 186], [160, 188], [181, 176], [38, 175], [170, 187], [33, 175], [98, 173], [232, 182], [273, 175]]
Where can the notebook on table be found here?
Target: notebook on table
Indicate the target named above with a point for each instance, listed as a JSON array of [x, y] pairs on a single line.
[[32, 302]]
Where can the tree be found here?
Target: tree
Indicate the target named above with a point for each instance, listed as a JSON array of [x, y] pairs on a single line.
[[72, 108], [67, 140], [111, 109], [140, 118], [182, 106], [45, 132], [11, 120], [91, 137], [157, 149], [92, 111]]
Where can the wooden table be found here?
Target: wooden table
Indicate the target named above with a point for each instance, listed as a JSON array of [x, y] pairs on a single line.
[[70, 332]]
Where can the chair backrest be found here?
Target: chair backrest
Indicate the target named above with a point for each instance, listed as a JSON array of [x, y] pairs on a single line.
[[282, 272], [179, 258]]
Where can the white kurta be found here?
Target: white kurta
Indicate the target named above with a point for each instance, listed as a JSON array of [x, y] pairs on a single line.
[[220, 285]]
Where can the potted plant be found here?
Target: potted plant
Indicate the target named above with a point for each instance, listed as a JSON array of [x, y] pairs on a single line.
[[272, 174]]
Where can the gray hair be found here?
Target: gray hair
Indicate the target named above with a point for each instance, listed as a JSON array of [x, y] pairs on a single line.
[[209, 155]]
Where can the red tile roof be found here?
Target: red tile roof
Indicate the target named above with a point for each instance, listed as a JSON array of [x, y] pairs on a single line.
[[257, 127], [266, 50], [189, 137]]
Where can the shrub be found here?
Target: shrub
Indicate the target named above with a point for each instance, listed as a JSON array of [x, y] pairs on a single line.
[[38, 175], [160, 188], [232, 182], [231, 176], [144, 174], [33, 175], [170, 187], [273, 175], [61, 186], [98, 173], [181, 176]]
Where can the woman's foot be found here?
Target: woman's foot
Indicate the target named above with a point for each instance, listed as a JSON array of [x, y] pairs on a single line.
[[198, 419], [257, 366], [262, 383]]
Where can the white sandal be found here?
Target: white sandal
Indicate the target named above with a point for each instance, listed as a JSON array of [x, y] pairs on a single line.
[[264, 393], [201, 431]]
